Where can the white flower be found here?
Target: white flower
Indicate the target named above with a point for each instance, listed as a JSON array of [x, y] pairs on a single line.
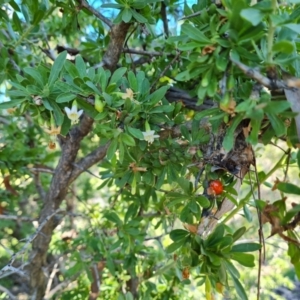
[[73, 114], [149, 136]]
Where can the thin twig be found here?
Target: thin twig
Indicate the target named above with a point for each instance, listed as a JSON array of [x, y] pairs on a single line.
[[260, 231], [256, 75], [142, 52], [9, 266], [49, 283], [16, 218], [192, 15], [62, 286], [165, 69], [87, 171], [126, 45], [38, 186], [96, 13], [10, 295], [163, 12]]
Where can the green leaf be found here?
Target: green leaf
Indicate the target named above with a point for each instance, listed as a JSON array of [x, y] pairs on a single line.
[[111, 151], [155, 97], [56, 68], [113, 217], [80, 66], [178, 234], [91, 85], [195, 34], [203, 201], [58, 115], [288, 188], [284, 47], [291, 213], [161, 109], [231, 268], [132, 81], [276, 107], [65, 127], [14, 5], [127, 139], [239, 289], [245, 247], [206, 112], [229, 137], [194, 207], [185, 185], [216, 236], [238, 233], [185, 215], [101, 115], [37, 76], [244, 259], [175, 246], [132, 230], [277, 124], [177, 196], [255, 127], [65, 97], [247, 213], [137, 133], [126, 15], [71, 69], [20, 87], [11, 103], [138, 17], [129, 296], [252, 15], [139, 4], [294, 27], [117, 75]]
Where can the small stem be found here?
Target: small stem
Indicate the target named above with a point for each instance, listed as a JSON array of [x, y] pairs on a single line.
[[271, 32], [23, 36]]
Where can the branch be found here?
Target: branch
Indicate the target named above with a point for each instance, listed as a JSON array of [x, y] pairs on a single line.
[[166, 69], [8, 267], [175, 95], [290, 86], [254, 74], [115, 48], [96, 13], [65, 172], [9, 294], [293, 97], [191, 15], [62, 286], [38, 186], [88, 161], [163, 12], [142, 52], [16, 218]]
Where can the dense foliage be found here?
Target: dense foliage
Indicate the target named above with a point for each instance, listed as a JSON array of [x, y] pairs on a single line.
[[127, 129]]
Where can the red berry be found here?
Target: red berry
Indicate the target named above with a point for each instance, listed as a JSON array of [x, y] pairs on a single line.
[[216, 186]]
